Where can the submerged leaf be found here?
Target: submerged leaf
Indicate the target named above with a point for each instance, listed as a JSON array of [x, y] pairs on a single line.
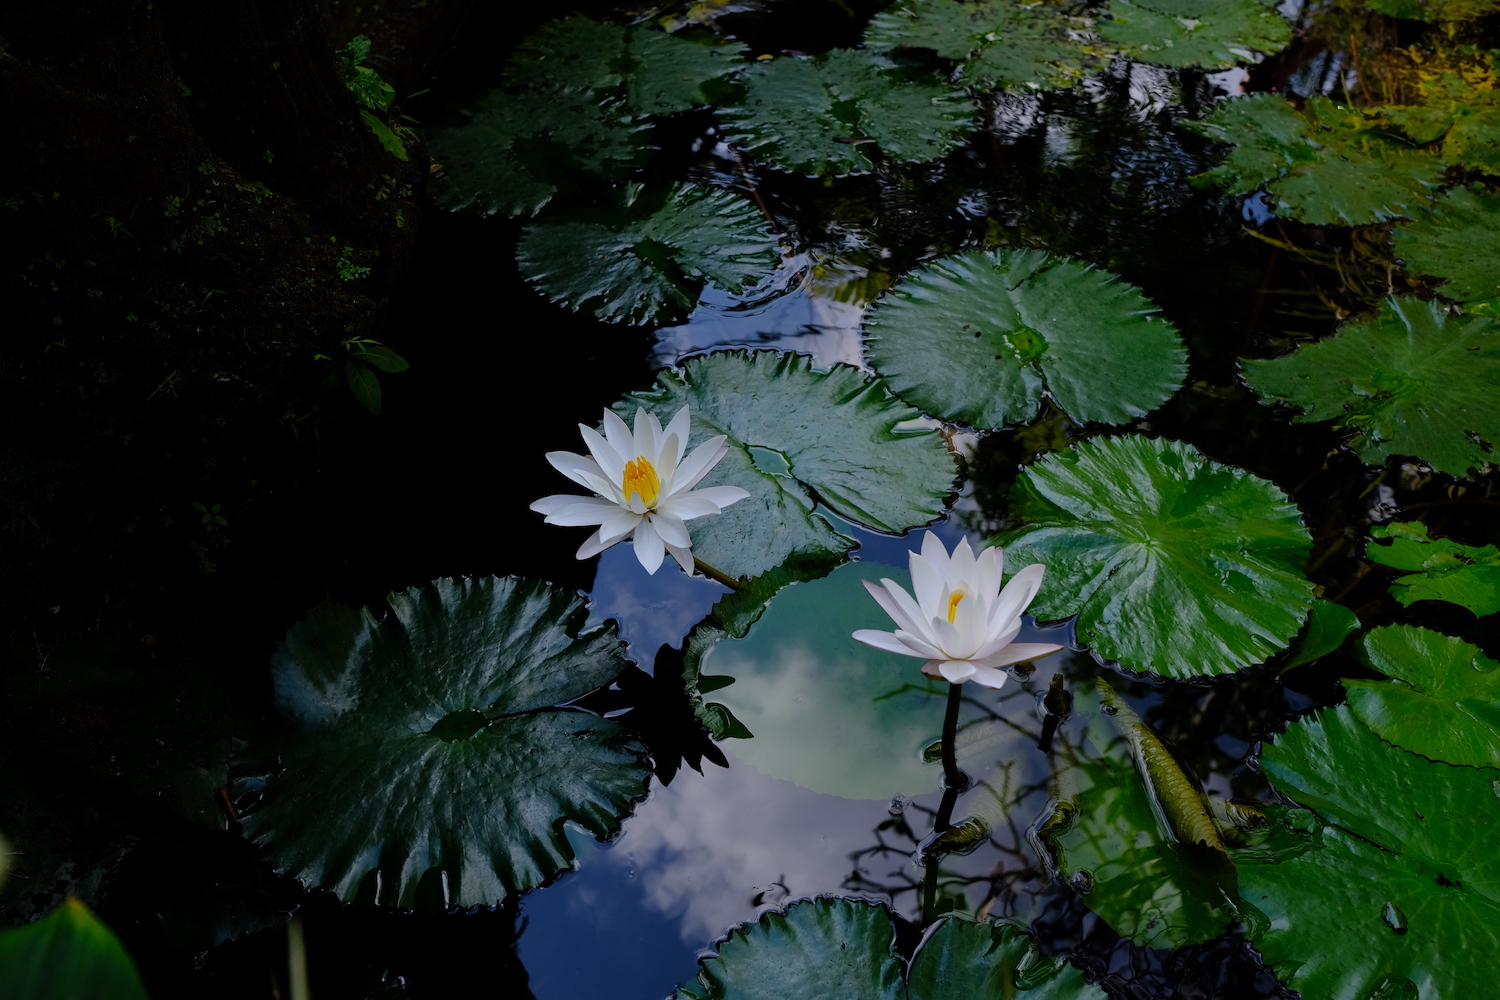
[[1326, 164], [816, 115], [374, 781], [1001, 43], [1445, 570], [840, 434], [1414, 381], [1442, 700], [980, 337], [1395, 876], [1173, 563], [649, 261], [1454, 239], [1214, 34], [68, 955]]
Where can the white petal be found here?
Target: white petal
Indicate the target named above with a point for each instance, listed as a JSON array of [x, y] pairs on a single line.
[[934, 552], [635, 504], [584, 510], [1017, 595], [618, 527], [547, 505], [886, 641], [610, 461], [684, 557], [678, 427], [649, 548], [646, 428], [902, 612], [1016, 652], [671, 529], [620, 438], [945, 635], [920, 644], [689, 505], [721, 496], [988, 676], [573, 466], [968, 621], [956, 671], [963, 565], [603, 487], [593, 546], [990, 565], [699, 463], [926, 586], [998, 642]]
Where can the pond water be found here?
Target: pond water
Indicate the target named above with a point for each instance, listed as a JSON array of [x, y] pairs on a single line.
[[1038, 295]]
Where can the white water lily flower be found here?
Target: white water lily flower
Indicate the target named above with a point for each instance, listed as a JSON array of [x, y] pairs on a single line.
[[643, 487], [960, 622]]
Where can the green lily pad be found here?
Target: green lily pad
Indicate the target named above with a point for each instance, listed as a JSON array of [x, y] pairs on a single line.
[[1328, 625], [1442, 700], [648, 260], [1440, 569], [983, 336], [1174, 564], [838, 434], [1326, 164], [1214, 34], [1000, 43], [1454, 239], [424, 740], [1396, 875], [1415, 380], [68, 955], [816, 115], [845, 949]]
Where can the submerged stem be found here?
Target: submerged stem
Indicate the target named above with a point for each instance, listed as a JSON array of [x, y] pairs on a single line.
[[715, 575], [954, 780]]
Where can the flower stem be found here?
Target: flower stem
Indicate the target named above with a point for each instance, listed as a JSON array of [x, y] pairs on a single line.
[[954, 780], [715, 575]]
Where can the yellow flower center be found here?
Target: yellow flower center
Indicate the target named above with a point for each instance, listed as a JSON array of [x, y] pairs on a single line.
[[641, 478], [953, 600]]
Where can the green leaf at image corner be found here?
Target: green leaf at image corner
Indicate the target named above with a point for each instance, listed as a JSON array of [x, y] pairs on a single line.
[[1415, 380], [1325, 164], [845, 439], [1000, 44], [365, 789], [68, 955], [649, 261], [1440, 569], [1453, 238], [1174, 564], [1328, 625], [982, 337], [1213, 34], [1396, 877], [1442, 699]]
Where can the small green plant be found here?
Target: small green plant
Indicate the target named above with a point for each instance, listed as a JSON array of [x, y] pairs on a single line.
[[364, 357], [348, 270], [373, 95]]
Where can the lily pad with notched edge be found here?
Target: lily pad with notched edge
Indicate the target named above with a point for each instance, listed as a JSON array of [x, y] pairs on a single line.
[[1323, 165], [816, 115], [648, 260], [980, 337], [839, 435], [1174, 564], [1328, 625], [1440, 568], [1442, 700], [1416, 380], [1213, 34], [1395, 877], [845, 949], [1455, 239], [1000, 43], [68, 955], [425, 740]]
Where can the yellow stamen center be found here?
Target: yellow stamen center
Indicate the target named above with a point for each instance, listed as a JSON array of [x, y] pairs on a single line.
[[641, 478], [953, 600]]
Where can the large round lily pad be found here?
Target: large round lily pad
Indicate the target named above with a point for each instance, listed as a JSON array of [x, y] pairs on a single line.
[[1442, 700], [1394, 883], [798, 437], [1173, 564], [426, 740], [982, 336], [1214, 34], [1454, 239], [1414, 381]]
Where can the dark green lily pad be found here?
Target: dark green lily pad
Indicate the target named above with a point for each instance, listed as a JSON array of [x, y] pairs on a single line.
[[1454, 239], [1328, 625], [963, 960], [424, 740], [68, 955], [1439, 569], [1214, 34], [839, 435], [1442, 700], [649, 260], [817, 115], [983, 336], [1324, 165], [999, 42], [1415, 380], [1395, 875], [1174, 564]]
